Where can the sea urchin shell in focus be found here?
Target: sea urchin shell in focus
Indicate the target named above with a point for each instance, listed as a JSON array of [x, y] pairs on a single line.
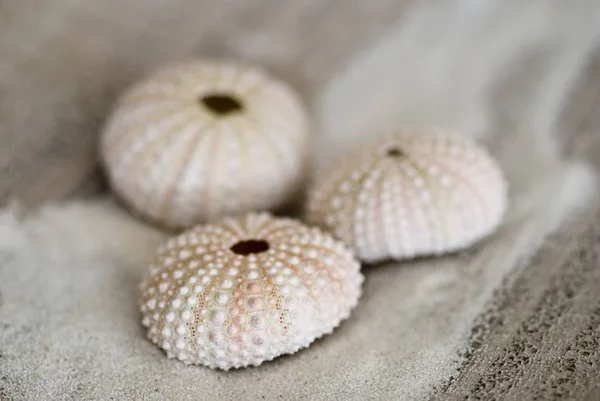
[[412, 194], [197, 141], [246, 290]]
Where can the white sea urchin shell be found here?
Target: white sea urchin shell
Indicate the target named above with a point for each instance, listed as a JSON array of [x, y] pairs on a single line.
[[413, 194], [199, 140], [247, 290]]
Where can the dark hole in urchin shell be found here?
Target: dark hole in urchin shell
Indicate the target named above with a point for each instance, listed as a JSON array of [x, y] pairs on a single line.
[[395, 152], [222, 103], [251, 246]]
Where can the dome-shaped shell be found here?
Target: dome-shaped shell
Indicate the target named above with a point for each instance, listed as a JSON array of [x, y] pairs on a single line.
[[411, 194], [199, 140], [247, 290]]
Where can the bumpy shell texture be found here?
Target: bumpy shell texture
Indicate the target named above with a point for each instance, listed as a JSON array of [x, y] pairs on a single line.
[[247, 290], [411, 194], [196, 141]]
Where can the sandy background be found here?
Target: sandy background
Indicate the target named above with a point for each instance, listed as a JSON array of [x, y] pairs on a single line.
[[501, 320]]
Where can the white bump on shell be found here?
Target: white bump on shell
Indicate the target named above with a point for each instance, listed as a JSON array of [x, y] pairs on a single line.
[[269, 304], [434, 193]]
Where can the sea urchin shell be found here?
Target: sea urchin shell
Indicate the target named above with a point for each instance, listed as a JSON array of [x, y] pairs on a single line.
[[412, 194], [247, 290], [199, 140]]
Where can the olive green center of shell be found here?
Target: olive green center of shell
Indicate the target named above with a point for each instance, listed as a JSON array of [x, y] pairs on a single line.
[[395, 152], [221, 104]]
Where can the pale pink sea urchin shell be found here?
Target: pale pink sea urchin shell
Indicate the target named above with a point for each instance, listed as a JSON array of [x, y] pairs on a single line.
[[199, 140], [411, 194], [247, 290]]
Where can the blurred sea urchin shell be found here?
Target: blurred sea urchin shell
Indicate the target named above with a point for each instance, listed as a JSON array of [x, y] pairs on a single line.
[[247, 290], [411, 194], [199, 140]]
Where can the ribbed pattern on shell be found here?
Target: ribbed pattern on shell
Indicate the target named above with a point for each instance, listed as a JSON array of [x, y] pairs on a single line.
[[203, 303], [176, 161], [411, 194]]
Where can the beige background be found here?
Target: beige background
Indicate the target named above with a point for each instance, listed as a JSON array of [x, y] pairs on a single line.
[[517, 317]]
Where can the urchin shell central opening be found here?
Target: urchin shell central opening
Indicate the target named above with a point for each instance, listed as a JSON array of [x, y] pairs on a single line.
[[394, 151], [251, 246], [222, 103]]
